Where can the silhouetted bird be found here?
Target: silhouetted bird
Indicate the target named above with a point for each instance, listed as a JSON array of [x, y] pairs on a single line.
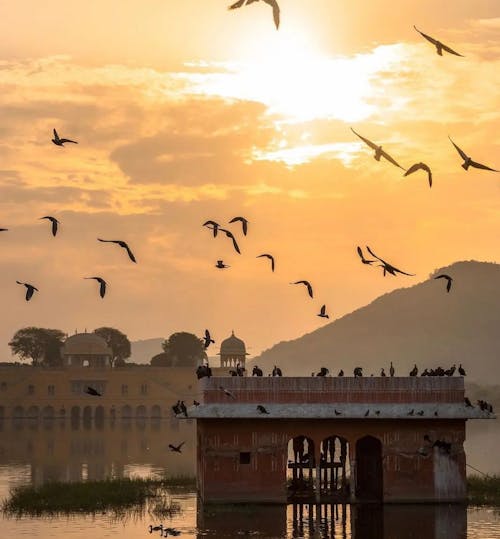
[[4, 229], [61, 141], [358, 372], [414, 371], [308, 285], [176, 407], [322, 313], [391, 370], [388, 268], [337, 412], [379, 152], [382, 372], [156, 528], [377, 412], [196, 403], [277, 371], [176, 448], [212, 225], [323, 372], [93, 392], [272, 3], [220, 265], [102, 285], [420, 166], [367, 413], [208, 339], [468, 162], [123, 245], [30, 289], [410, 412], [448, 278], [229, 234], [468, 403], [183, 408], [363, 259], [271, 258], [227, 392], [341, 373], [244, 223], [54, 222], [440, 47], [261, 409], [436, 414], [461, 370], [421, 413], [256, 371]]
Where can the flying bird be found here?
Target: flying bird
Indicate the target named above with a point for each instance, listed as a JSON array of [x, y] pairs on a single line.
[[322, 312], [3, 229], [212, 225], [220, 265], [244, 223], [93, 392], [272, 3], [440, 47], [229, 234], [208, 339], [388, 268], [30, 289], [54, 222], [379, 152], [448, 278], [363, 259], [102, 283], [420, 166], [61, 141], [308, 284], [227, 392], [176, 448], [121, 244], [271, 258], [468, 162], [261, 409]]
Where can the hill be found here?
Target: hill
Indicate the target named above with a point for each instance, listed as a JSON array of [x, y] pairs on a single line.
[[422, 324]]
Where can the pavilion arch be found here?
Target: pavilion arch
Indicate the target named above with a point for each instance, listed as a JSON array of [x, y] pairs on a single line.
[[18, 412], [48, 412], [99, 416], [126, 411], [369, 470], [75, 413], [87, 414], [334, 467], [33, 412], [301, 467], [141, 411], [156, 411]]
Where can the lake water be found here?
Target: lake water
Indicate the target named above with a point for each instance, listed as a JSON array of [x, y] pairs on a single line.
[[34, 452]]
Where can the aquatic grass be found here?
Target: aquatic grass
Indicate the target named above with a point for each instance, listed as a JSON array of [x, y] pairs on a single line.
[[483, 490], [115, 495]]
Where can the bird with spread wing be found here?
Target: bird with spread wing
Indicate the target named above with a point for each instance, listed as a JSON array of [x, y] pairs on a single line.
[[440, 47], [388, 268], [379, 152], [272, 3]]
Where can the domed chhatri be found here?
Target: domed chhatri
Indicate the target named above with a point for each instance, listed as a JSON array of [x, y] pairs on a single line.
[[86, 349], [232, 352]]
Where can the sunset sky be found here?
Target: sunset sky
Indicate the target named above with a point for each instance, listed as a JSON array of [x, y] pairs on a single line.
[[185, 111]]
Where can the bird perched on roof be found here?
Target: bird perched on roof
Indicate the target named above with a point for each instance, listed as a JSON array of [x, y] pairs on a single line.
[[244, 223], [382, 372], [461, 370], [448, 278], [183, 409], [440, 47], [30, 289], [208, 339], [277, 371], [123, 245], [54, 222], [272, 3], [229, 234], [411, 412], [392, 370], [196, 403], [102, 285], [176, 407], [337, 412], [367, 413], [93, 392], [363, 259], [341, 373], [212, 225], [322, 313], [261, 409], [420, 166], [271, 258], [358, 372], [414, 371], [468, 162], [323, 372], [468, 403], [421, 413], [308, 285], [388, 268], [228, 393], [61, 141], [220, 265], [176, 448], [379, 152]]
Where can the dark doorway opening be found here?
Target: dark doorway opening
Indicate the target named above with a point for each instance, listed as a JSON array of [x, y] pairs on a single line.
[[369, 473]]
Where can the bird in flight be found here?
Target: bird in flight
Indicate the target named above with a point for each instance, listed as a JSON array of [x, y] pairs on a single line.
[[227, 392], [4, 229], [220, 264], [93, 392], [102, 283], [379, 152], [208, 339], [322, 312], [244, 223], [440, 47], [308, 284], [54, 222], [229, 234], [272, 3], [448, 278], [61, 141], [121, 244], [30, 289], [261, 409], [271, 258], [212, 225], [363, 259], [468, 162], [420, 166], [176, 448], [388, 268]]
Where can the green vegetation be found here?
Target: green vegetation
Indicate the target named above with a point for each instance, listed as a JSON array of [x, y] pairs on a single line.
[[483, 490], [119, 496]]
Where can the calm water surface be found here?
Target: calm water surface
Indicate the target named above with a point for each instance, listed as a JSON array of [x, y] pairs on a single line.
[[31, 452]]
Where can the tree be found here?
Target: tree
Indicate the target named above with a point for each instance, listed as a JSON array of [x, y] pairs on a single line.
[[41, 345], [117, 341], [181, 350]]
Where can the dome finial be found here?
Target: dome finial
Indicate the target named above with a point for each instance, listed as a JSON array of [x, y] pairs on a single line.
[[232, 333]]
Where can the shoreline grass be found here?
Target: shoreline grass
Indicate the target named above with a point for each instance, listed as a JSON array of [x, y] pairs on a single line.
[[483, 490]]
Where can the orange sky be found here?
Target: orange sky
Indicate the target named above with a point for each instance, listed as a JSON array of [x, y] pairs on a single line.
[[185, 112]]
